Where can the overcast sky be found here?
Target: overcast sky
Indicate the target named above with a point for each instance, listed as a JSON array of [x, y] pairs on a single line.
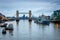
[[9, 7]]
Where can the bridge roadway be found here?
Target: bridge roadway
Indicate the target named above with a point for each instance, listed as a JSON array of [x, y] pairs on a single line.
[[23, 13]]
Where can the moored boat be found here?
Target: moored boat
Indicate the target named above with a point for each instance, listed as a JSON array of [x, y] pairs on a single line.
[[10, 27], [3, 24], [42, 20], [3, 31]]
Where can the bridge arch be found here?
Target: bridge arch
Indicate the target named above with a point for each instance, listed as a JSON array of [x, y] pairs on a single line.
[[30, 15]]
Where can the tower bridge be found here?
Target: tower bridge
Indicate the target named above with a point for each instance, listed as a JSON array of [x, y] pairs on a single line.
[[17, 15]]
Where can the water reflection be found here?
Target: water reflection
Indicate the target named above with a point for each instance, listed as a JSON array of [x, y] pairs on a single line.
[[11, 32], [24, 30], [57, 25], [17, 23], [30, 23], [30, 26]]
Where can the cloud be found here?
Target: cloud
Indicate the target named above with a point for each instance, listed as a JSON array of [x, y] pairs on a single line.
[[37, 6], [9, 1]]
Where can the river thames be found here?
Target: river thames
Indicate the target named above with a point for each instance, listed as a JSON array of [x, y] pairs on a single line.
[[25, 30]]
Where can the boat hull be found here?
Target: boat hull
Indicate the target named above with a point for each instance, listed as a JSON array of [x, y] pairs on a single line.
[[4, 25], [43, 22]]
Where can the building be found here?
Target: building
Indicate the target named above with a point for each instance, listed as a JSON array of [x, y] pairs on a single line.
[[47, 17], [56, 15], [2, 17]]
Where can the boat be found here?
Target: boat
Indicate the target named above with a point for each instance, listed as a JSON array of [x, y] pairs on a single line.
[[1, 21], [45, 22], [9, 27], [3, 24], [3, 31], [42, 20]]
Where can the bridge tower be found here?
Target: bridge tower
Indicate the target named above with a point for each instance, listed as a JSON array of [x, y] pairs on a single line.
[[30, 15], [17, 15]]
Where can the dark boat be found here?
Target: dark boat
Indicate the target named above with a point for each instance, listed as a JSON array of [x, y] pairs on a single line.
[[3, 31], [1, 21], [3, 24], [46, 22]]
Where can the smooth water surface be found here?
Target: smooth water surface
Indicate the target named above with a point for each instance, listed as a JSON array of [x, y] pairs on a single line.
[[25, 30]]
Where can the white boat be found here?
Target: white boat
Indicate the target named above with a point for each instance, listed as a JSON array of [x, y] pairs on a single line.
[[42, 20], [9, 27]]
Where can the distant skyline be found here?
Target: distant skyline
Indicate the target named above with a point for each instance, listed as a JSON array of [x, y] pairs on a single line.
[[38, 7]]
